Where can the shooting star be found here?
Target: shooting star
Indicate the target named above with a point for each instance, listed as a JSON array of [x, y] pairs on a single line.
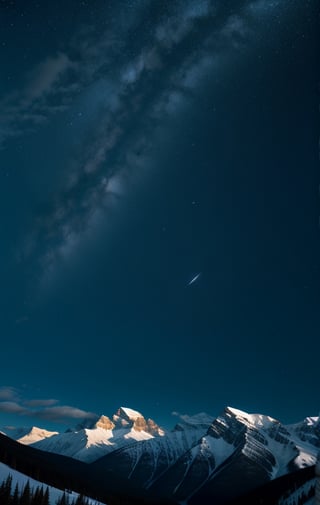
[[196, 277]]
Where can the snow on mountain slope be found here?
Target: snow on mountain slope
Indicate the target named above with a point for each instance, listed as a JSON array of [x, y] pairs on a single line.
[[265, 437], [257, 420], [128, 418], [268, 437], [196, 466], [35, 435], [300, 440], [247, 449], [221, 445], [89, 444], [141, 464], [197, 459], [27, 436], [306, 436], [193, 460], [307, 430], [13, 432], [20, 479], [129, 413]]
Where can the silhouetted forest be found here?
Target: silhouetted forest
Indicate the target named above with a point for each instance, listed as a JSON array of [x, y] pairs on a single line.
[[10, 495]]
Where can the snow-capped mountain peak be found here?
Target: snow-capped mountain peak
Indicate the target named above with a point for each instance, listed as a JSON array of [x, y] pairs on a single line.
[[132, 419], [127, 418], [129, 414], [27, 435], [258, 420], [35, 435], [312, 420], [89, 442], [199, 454]]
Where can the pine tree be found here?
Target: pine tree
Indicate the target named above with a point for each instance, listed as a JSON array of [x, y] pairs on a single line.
[[8, 483], [45, 500], [40, 496], [5, 491], [63, 500], [37, 498], [81, 500], [15, 500], [26, 495]]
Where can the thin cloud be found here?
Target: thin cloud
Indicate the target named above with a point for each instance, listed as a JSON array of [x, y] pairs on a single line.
[[58, 413], [40, 403], [8, 393], [64, 412], [13, 408], [40, 408]]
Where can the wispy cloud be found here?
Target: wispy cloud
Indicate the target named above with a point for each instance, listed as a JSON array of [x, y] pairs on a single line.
[[41, 403], [11, 402], [62, 413], [8, 393], [13, 408]]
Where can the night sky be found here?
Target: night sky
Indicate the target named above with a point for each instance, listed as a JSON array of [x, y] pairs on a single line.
[[144, 142]]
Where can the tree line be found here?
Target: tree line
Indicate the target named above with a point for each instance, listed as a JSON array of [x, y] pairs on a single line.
[[29, 496]]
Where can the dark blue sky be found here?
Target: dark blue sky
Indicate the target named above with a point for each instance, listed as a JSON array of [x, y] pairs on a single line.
[[143, 142]]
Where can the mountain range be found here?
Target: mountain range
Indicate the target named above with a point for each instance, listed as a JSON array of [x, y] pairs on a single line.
[[203, 460]]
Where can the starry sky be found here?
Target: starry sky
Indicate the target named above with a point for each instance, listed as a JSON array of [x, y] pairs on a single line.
[[144, 142]]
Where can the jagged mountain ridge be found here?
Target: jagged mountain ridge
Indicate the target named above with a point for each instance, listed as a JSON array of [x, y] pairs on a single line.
[[27, 435], [195, 460], [245, 449], [55, 470], [102, 436]]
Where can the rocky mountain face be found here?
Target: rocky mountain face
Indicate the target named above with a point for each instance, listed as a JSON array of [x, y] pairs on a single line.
[[131, 419], [317, 484], [199, 459], [195, 462], [93, 440]]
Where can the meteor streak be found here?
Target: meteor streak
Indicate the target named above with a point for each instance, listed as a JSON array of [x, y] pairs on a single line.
[[194, 279]]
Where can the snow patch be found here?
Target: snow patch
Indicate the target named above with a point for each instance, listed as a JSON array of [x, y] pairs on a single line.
[[130, 413]]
